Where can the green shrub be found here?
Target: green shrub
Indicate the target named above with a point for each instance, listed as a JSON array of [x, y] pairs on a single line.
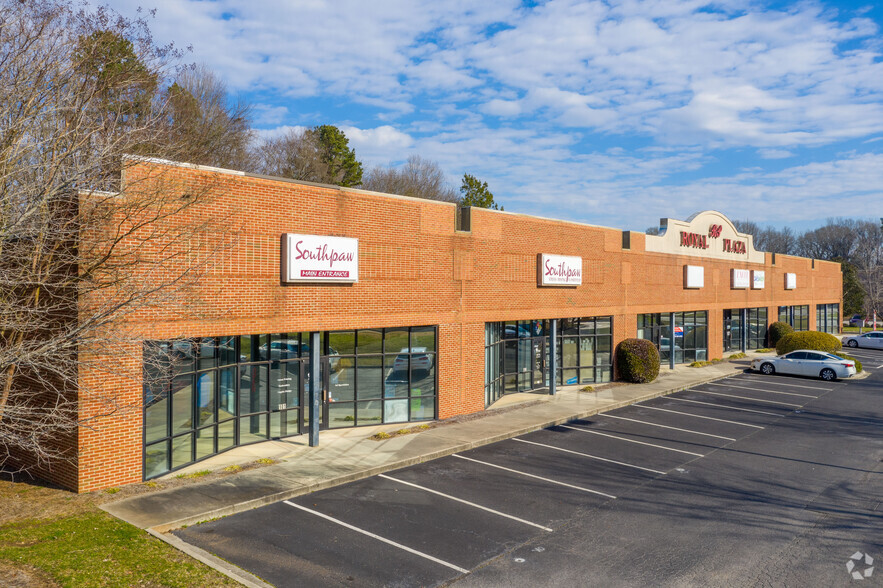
[[858, 364], [637, 360], [778, 330], [739, 355], [808, 340]]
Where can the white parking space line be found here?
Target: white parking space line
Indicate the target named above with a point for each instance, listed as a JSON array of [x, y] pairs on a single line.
[[759, 389], [610, 416], [699, 416], [378, 537], [747, 398], [724, 406], [551, 481], [454, 498], [632, 440], [628, 465], [777, 383]]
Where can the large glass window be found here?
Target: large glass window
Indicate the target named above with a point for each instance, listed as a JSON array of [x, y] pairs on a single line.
[[755, 328], [517, 354], [828, 318], [796, 316], [207, 395], [689, 334]]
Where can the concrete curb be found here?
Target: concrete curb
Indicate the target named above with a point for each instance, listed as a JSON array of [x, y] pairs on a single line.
[[222, 566], [373, 471]]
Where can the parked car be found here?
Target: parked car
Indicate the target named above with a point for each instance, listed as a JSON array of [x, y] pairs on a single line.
[[858, 321], [872, 340], [420, 360], [806, 362]]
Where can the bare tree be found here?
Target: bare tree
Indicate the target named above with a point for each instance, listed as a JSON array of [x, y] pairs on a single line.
[[87, 236], [209, 128], [419, 177], [295, 155]]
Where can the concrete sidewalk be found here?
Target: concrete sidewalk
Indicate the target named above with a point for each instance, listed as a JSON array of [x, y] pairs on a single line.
[[351, 454]]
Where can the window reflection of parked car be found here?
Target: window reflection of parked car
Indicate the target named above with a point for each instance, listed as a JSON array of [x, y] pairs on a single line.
[[420, 360], [515, 332]]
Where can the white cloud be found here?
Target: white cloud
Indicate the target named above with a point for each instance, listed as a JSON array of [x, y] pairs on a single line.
[[775, 153]]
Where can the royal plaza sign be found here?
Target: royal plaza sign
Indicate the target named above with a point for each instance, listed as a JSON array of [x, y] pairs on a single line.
[[317, 258], [707, 234], [559, 270]]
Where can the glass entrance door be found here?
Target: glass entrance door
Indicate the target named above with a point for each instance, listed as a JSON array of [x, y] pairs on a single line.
[[286, 398]]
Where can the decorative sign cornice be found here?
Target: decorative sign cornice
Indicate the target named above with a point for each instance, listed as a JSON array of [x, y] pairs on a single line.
[[707, 234]]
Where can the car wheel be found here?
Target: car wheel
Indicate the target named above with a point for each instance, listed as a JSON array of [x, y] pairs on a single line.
[[828, 375], [852, 343], [767, 369]]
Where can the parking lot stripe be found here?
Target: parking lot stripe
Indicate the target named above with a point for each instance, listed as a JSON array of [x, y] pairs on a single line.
[[493, 465], [777, 383], [699, 416], [628, 465], [759, 389], [747, 398], [724, 406], [454, 498], [610, 416], [632, 440], [378, 537]]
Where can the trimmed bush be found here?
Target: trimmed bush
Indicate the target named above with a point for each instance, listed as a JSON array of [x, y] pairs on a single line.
[[858, 364], [808, 340], [778, 330], [637, 360]]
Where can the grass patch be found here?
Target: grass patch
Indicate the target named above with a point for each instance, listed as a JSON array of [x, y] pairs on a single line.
[[151, 484], [587, 389], [404, 432], [381, 435], [95, 549], [764, 350], [233, 468], [194, 475], [739, 355], [111, 490], [265, 461]]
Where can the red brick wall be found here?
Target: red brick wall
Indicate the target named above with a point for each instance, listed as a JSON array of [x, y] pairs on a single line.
[[415, 269]]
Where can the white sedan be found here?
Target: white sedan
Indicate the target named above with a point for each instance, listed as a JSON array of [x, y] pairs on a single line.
[[805, 362], [872, 340]]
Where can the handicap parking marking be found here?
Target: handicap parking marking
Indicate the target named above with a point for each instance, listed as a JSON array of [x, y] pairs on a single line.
[[631, 440], [628, 465], [699, 416], [378, 537], [665, 426], [758, 389], [723, 406], [755, 377], [454, 498], [520, 473], [746, 398]]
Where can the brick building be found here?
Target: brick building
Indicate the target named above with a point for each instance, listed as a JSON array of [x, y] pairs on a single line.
[[422, 311]]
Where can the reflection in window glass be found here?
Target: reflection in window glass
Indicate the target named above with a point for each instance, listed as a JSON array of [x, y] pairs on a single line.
[[395, 411], [369, 377], [370, 413], [156, 459], [341, 415], [344, 342], [205, 403], [370, 341], [396, 340], [182, 403], [182, 450]]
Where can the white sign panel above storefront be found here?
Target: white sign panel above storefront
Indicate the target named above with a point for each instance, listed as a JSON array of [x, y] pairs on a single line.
[[758, 280], [740, 279], [559, 270], [317, 258], [694, 276], [790, 281], [707, 234]]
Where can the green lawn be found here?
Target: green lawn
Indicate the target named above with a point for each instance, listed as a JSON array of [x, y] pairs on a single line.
[[95, 549]]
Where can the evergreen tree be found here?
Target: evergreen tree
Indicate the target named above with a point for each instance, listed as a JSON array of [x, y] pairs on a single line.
[[476, 193]]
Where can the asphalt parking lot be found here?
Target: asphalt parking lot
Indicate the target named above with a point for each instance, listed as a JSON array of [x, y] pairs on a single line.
[[749, 480]]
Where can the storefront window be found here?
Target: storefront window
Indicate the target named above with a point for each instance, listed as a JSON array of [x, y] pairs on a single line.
[[516, 354], [796, 316], [204, 396], [689, 334], [755, 328], [828, 318]]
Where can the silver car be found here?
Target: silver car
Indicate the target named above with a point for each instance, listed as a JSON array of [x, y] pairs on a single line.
[[872, 340], [806, 362]]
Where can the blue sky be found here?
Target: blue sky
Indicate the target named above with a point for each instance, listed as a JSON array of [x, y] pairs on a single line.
[[614, 113]]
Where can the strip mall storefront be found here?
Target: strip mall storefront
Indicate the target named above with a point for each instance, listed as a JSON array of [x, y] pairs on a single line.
[[392, 309]]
